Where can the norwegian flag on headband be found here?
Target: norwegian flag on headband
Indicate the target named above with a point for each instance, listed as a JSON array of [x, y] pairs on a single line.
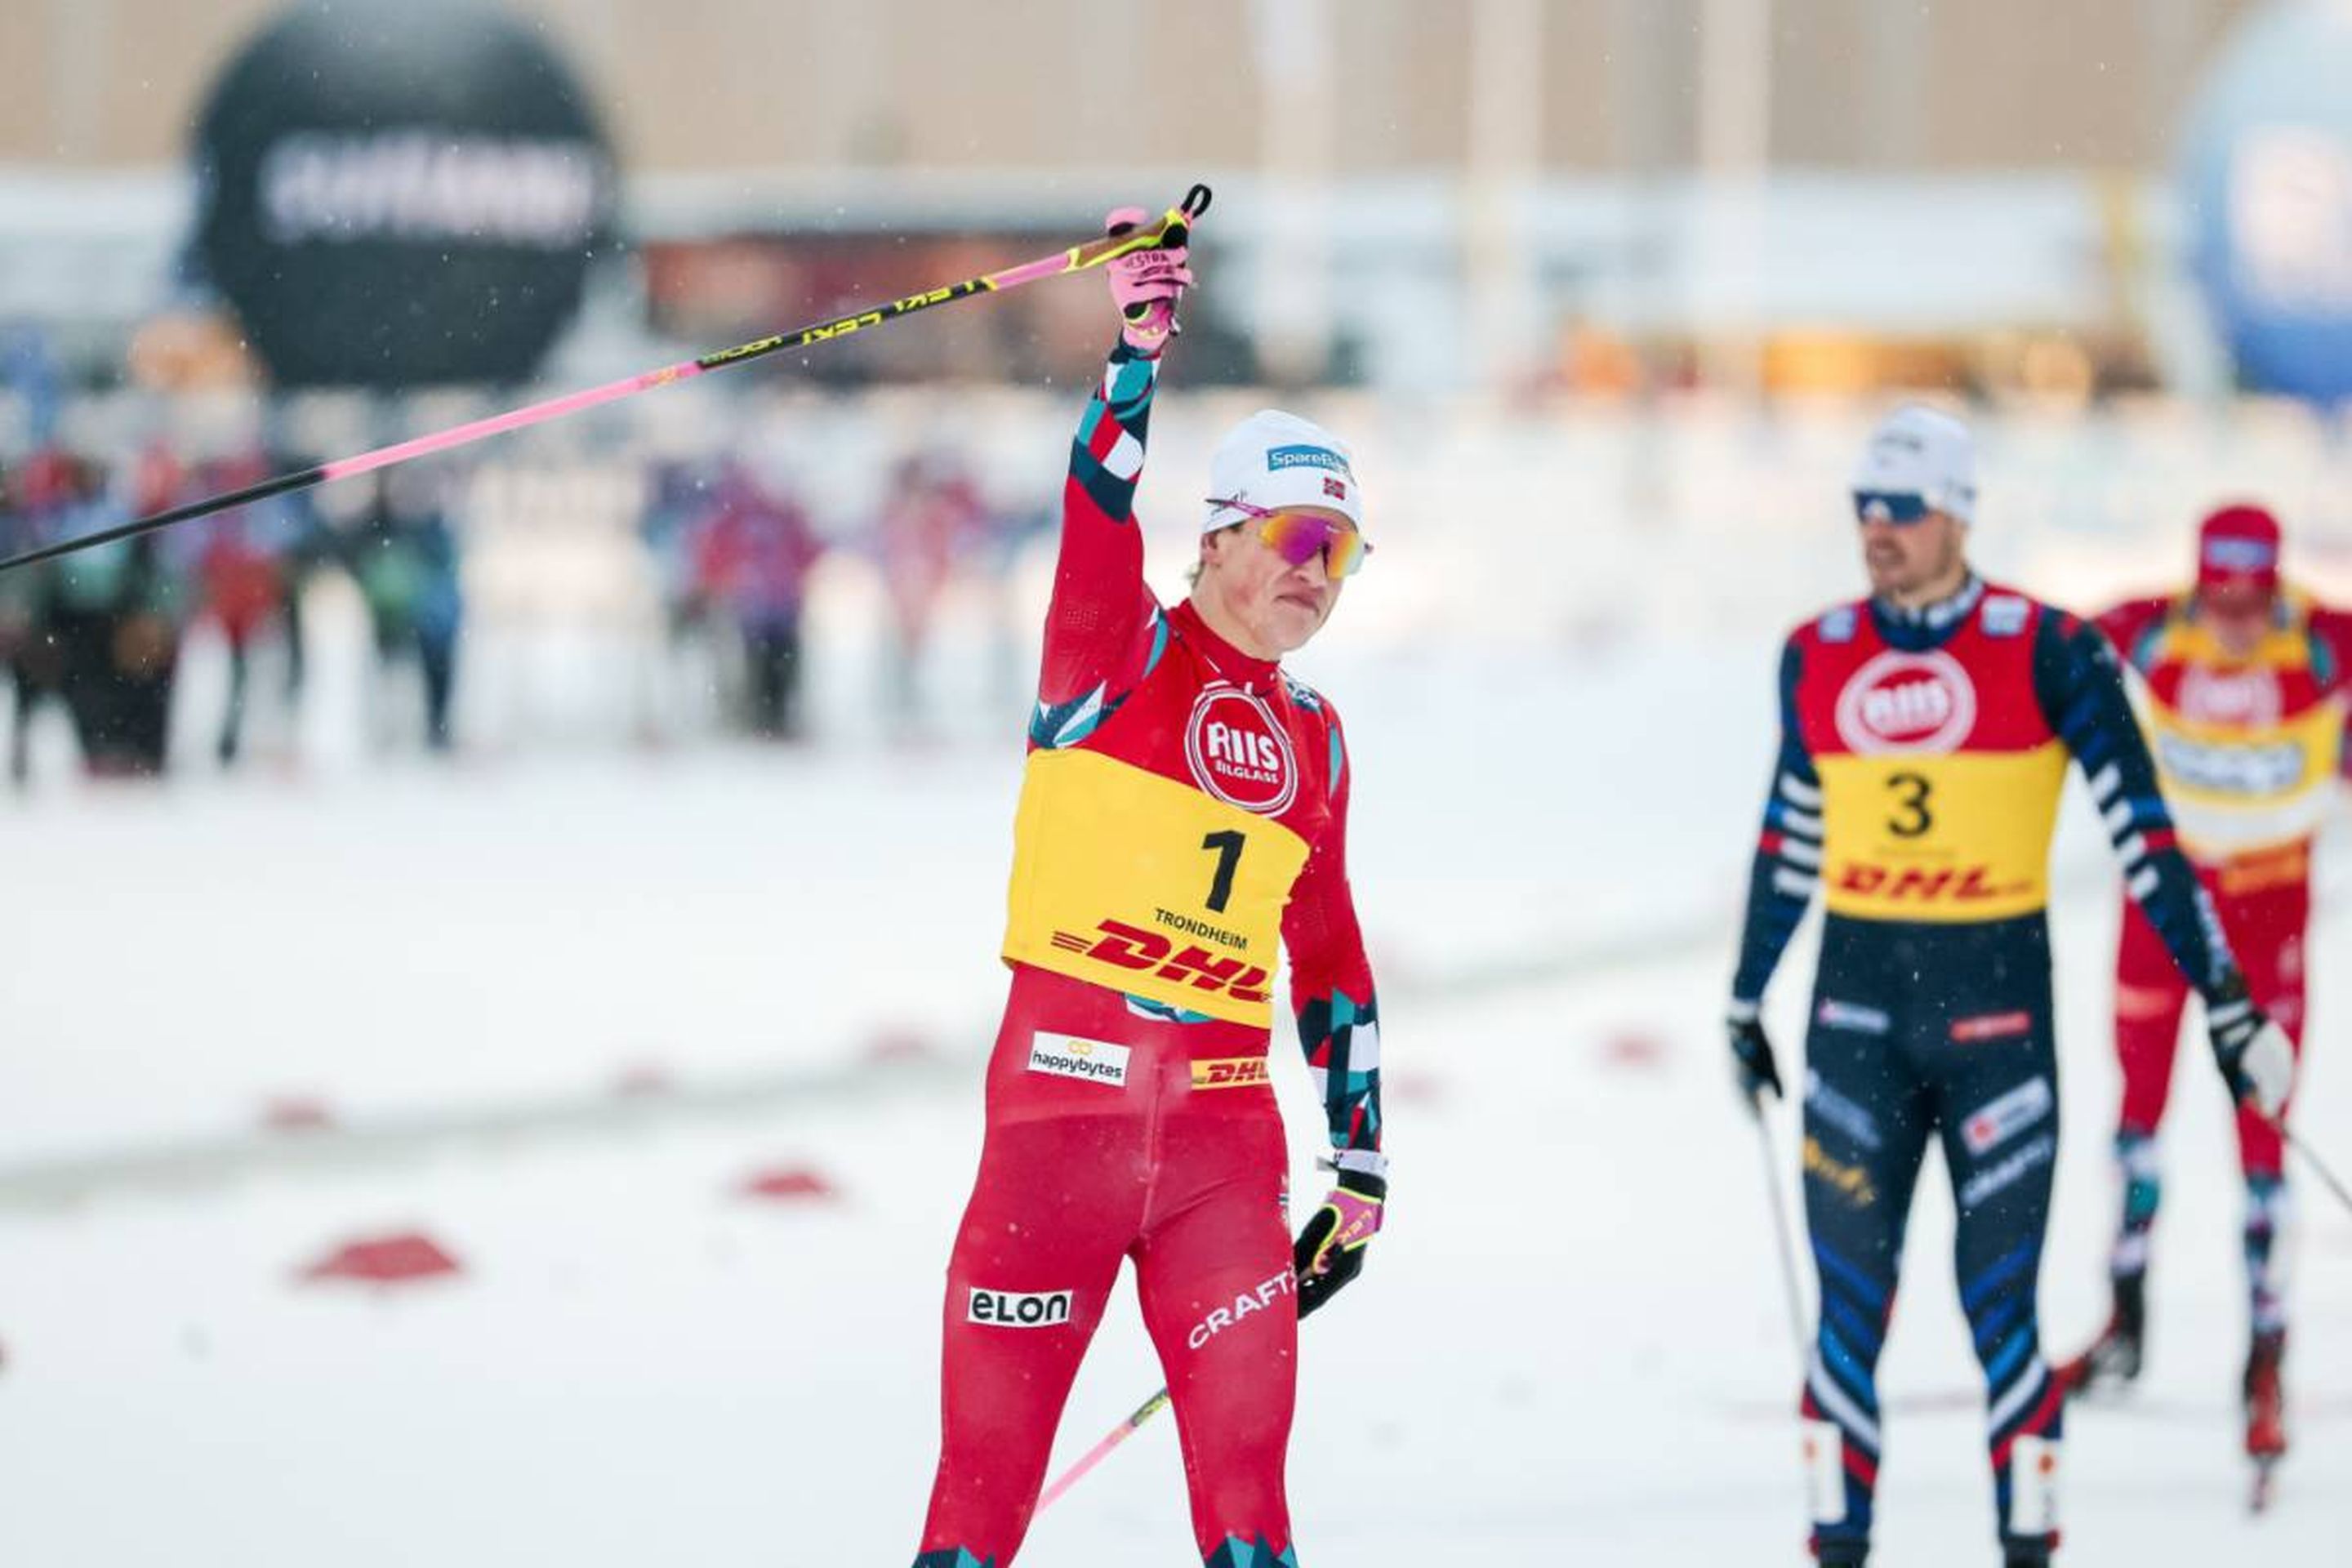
[[1336, 489]]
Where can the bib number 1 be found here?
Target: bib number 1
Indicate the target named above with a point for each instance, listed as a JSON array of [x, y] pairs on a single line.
[[1228, 845]]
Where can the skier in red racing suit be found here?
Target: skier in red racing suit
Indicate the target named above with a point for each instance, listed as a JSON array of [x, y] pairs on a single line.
[[1182, 812]]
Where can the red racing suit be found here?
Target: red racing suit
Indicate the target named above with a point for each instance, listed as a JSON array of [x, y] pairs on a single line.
[[2248, 751], [1183, 814]]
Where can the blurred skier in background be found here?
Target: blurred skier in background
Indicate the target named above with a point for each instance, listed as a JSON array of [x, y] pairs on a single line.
[[1925, 733], [2245, 681]]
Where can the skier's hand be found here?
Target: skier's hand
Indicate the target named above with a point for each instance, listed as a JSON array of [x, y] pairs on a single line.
[[1751, 1055], [1146, 285], [2256, 1059], [1330, 1249]]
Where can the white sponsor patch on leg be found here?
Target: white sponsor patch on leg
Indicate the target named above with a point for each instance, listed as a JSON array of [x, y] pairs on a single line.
[[2006, 1115], [2032, 1487], [1019, 1309], [1067, 1056], [1824, 1449]]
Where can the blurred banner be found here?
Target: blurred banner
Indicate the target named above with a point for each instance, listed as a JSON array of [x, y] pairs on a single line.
[[400, 195], [2268, 186]]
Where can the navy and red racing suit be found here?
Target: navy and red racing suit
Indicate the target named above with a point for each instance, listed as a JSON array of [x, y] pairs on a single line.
[[1922, 754]]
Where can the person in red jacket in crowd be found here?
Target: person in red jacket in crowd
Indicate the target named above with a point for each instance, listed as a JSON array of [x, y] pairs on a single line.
[[2245, 682], [1183, 814], [752, 552]]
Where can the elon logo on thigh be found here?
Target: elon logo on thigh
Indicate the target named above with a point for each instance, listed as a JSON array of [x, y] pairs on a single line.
[[1018, 1309]]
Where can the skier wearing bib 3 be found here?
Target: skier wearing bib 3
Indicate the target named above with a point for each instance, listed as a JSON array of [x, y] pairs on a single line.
[[1183, 813], [2246, 682], [1924, 733]]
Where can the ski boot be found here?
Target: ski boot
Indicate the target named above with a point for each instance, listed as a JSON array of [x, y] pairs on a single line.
[[2115, 1358], [2265, 1410]]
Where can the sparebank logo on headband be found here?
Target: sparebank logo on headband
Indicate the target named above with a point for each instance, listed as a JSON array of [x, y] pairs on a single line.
[[1280, 457]]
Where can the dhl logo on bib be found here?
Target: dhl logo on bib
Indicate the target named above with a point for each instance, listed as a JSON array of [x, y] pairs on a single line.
[[1133, 881], [1960, 836]]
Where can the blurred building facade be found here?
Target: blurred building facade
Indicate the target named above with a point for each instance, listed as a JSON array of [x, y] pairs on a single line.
[[1936, 85]]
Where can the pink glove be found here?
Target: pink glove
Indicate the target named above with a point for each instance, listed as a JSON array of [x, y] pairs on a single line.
[[1146, 285]]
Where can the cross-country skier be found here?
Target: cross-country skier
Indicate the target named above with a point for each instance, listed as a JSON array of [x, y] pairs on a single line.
[[1184, 810], [1924, 733], [2246, 682]]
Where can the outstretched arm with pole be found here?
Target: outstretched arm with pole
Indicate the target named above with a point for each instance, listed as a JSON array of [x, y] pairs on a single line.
[[1170, 229]]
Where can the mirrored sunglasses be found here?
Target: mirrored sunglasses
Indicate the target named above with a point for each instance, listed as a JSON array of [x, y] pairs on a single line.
[[1299, 537], [1901, 508]]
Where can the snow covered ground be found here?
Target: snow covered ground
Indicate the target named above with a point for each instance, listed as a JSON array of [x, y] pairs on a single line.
[[560, 1007]]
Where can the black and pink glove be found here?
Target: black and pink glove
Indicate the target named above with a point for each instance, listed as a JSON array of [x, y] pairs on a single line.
[[1146, 285], [1331, 1250]]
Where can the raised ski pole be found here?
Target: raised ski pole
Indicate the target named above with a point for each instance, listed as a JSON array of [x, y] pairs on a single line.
[[1172, 228]]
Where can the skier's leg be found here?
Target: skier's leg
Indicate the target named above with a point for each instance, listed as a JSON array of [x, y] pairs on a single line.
[[1865, 1130], [1054, 1209], [2000, 1123], [2150, 995], [1213, 1269], [2267, 929]]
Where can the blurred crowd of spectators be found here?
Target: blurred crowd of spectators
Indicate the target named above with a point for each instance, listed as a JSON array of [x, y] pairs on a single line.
[[733, 548], [99, 631]]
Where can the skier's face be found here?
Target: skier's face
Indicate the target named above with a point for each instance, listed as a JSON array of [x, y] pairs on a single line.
[[1249, 587], [2240, 618], [1904, 559]]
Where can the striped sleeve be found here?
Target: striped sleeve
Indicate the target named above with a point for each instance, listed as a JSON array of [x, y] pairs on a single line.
[[1104, 631], [2079, 681], [1787, 869], [1331, 985]]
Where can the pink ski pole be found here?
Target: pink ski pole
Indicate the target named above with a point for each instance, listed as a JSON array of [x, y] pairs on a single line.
[[1096, 1455], [1173, 228]]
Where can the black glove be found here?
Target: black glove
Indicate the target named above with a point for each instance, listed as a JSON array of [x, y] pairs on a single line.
[[2256, 1059], [1751, 1055], [1331, 1250]]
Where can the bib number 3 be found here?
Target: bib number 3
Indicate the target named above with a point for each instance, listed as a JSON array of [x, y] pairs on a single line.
[[1912, 817]]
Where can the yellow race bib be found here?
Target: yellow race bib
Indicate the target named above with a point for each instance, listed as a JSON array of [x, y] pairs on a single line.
[[1949, 838], [2241, 788], [1145, 885]]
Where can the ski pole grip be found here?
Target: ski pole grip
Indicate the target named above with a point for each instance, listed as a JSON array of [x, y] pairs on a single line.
[[1176, 227]]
